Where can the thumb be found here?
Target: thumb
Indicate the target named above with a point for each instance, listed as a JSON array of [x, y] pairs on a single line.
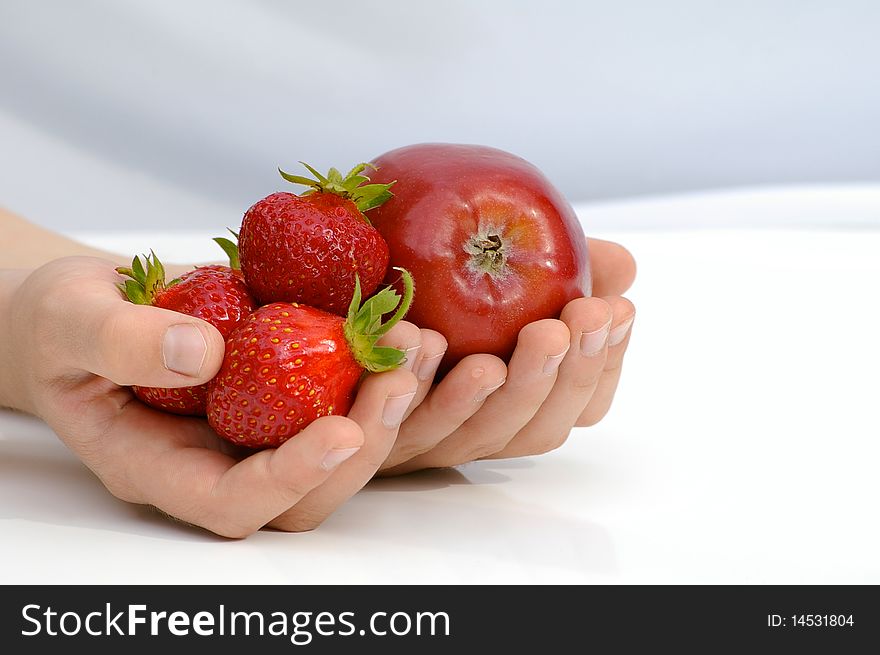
[[147, 346]]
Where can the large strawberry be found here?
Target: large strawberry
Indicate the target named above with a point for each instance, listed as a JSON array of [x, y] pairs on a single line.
[[216, 294], [309, 248], [288, 364]]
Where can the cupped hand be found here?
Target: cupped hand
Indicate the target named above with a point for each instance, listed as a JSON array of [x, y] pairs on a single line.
[[563, 373], [75, 346]]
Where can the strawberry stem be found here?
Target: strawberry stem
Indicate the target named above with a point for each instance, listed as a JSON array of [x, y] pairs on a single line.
[[146, 279], [351, 187]]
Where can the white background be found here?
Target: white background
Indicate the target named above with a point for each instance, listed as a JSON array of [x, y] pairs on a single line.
[[162, 101], [743, 443]]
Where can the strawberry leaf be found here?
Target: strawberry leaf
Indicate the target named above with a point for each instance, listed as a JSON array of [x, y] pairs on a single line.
[[137, 271], [135, 292], [334, 177], [372, 196], [352, 183], [231, 250], [321, 179], [387, 358], [364, 325], [352, 187], [297, 179], [146, 279]]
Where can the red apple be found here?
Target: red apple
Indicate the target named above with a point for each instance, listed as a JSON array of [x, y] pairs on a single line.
[[491, 243]]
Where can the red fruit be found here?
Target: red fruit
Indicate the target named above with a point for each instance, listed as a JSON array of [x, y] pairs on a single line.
[[288, 364], [309, 248], [216, 294], [492, 245]]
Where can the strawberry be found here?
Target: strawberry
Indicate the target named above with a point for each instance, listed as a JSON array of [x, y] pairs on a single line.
[[308, 248], [288, 364], [216, 294]]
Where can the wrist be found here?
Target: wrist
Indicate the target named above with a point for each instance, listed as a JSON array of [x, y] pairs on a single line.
[[11, 389]]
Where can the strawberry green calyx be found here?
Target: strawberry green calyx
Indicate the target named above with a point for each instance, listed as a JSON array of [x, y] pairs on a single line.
[[231, 249], [146, 279], [351, 187], [364, 325]]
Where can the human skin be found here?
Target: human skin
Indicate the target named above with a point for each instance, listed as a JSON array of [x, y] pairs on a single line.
[[66, 356]]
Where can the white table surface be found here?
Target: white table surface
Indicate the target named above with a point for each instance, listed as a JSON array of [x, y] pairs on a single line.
[[743, 445]]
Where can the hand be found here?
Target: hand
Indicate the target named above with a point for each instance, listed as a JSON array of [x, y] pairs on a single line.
[[69, 347], [562, 374]]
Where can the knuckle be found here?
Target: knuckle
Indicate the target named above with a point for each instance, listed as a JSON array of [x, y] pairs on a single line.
[[45, 314], [229, 529], [549, 443], [110, 333], [372, 459], [288, 486], [299, 520], [216, 519], [406, 451], [292, 489], [484, 449], [590, 418], [446, 411], [119, 488], [587, 380], [613, 369]]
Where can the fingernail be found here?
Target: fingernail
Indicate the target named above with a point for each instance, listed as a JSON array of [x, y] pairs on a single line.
[[485, 392], [553, 361], [184, 349], [428, 366], [395, 408], [618, 334], [593, 342], [409, 357], [336, 456]]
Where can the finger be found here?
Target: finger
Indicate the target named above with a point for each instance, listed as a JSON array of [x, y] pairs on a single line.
[[430, 355], [453, 401], [406, 337], [379, 408], [423, 351], [148, 346], [234, 499], [100, 332], [589, 321], [618, 340], [612, 266], [540, 349]]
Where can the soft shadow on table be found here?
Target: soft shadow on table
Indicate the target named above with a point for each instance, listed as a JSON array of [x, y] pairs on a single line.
[[439, 478], [486, 520], [41, 481]]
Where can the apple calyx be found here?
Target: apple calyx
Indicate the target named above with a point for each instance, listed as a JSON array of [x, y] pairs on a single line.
[[488, 250], [351, 187]]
